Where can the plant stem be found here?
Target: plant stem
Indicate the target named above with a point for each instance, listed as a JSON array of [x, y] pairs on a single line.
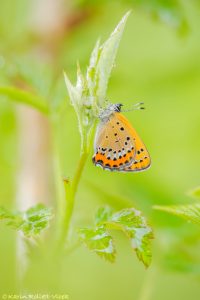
[[22, 96], [71, 188], [148, 285], [79, 170], [70, 193]]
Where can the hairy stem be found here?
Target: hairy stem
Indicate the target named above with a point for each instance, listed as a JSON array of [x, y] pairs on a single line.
[[71, 188], [79, 171]]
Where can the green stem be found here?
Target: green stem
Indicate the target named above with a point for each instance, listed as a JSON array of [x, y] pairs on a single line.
[[148, 285], [70, 192], [79, 171], [21, 96], [71, 188]]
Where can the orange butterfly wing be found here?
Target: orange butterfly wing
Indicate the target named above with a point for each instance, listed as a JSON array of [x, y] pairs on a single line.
[[142, 158], [114, 147], [118, 146]]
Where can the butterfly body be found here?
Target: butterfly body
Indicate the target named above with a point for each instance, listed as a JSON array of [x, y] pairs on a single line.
[[117, 145]]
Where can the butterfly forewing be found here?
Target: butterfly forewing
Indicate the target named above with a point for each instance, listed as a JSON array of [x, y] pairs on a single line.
[[114, 144]]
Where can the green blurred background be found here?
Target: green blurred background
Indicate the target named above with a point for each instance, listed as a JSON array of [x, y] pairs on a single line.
[[158, 63]]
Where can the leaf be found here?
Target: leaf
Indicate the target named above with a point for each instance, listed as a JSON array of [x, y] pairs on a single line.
[[91, 70], [99, 241], [131, 222], [107, 54], [24, 97], [31, 222], [74, 95], [35, 220], [190, 212], [134, 225], [103, 214]]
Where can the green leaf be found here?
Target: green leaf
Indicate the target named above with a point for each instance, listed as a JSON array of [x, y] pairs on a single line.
[[31, 222], [24, 97], [103, 214], [129, 221], [74, 95], [134, 225], [190, 212], [91, 75], [35, 220], [106, 57], [99, 241]]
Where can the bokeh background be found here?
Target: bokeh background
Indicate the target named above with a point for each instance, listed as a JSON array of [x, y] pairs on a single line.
[[158, 63]]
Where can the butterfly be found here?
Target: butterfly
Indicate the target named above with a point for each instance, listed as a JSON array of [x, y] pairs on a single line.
[[117, 146]]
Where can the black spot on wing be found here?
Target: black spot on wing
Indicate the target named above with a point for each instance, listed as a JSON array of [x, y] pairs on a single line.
[[99, 161]]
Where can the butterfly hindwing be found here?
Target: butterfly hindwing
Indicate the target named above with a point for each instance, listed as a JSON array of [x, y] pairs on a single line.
[[118, 146]]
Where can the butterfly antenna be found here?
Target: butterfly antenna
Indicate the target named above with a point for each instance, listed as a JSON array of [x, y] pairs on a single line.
[[136, 106]]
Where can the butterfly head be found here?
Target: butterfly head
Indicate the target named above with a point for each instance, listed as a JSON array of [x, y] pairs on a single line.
[[109, 110], [113, 108]]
